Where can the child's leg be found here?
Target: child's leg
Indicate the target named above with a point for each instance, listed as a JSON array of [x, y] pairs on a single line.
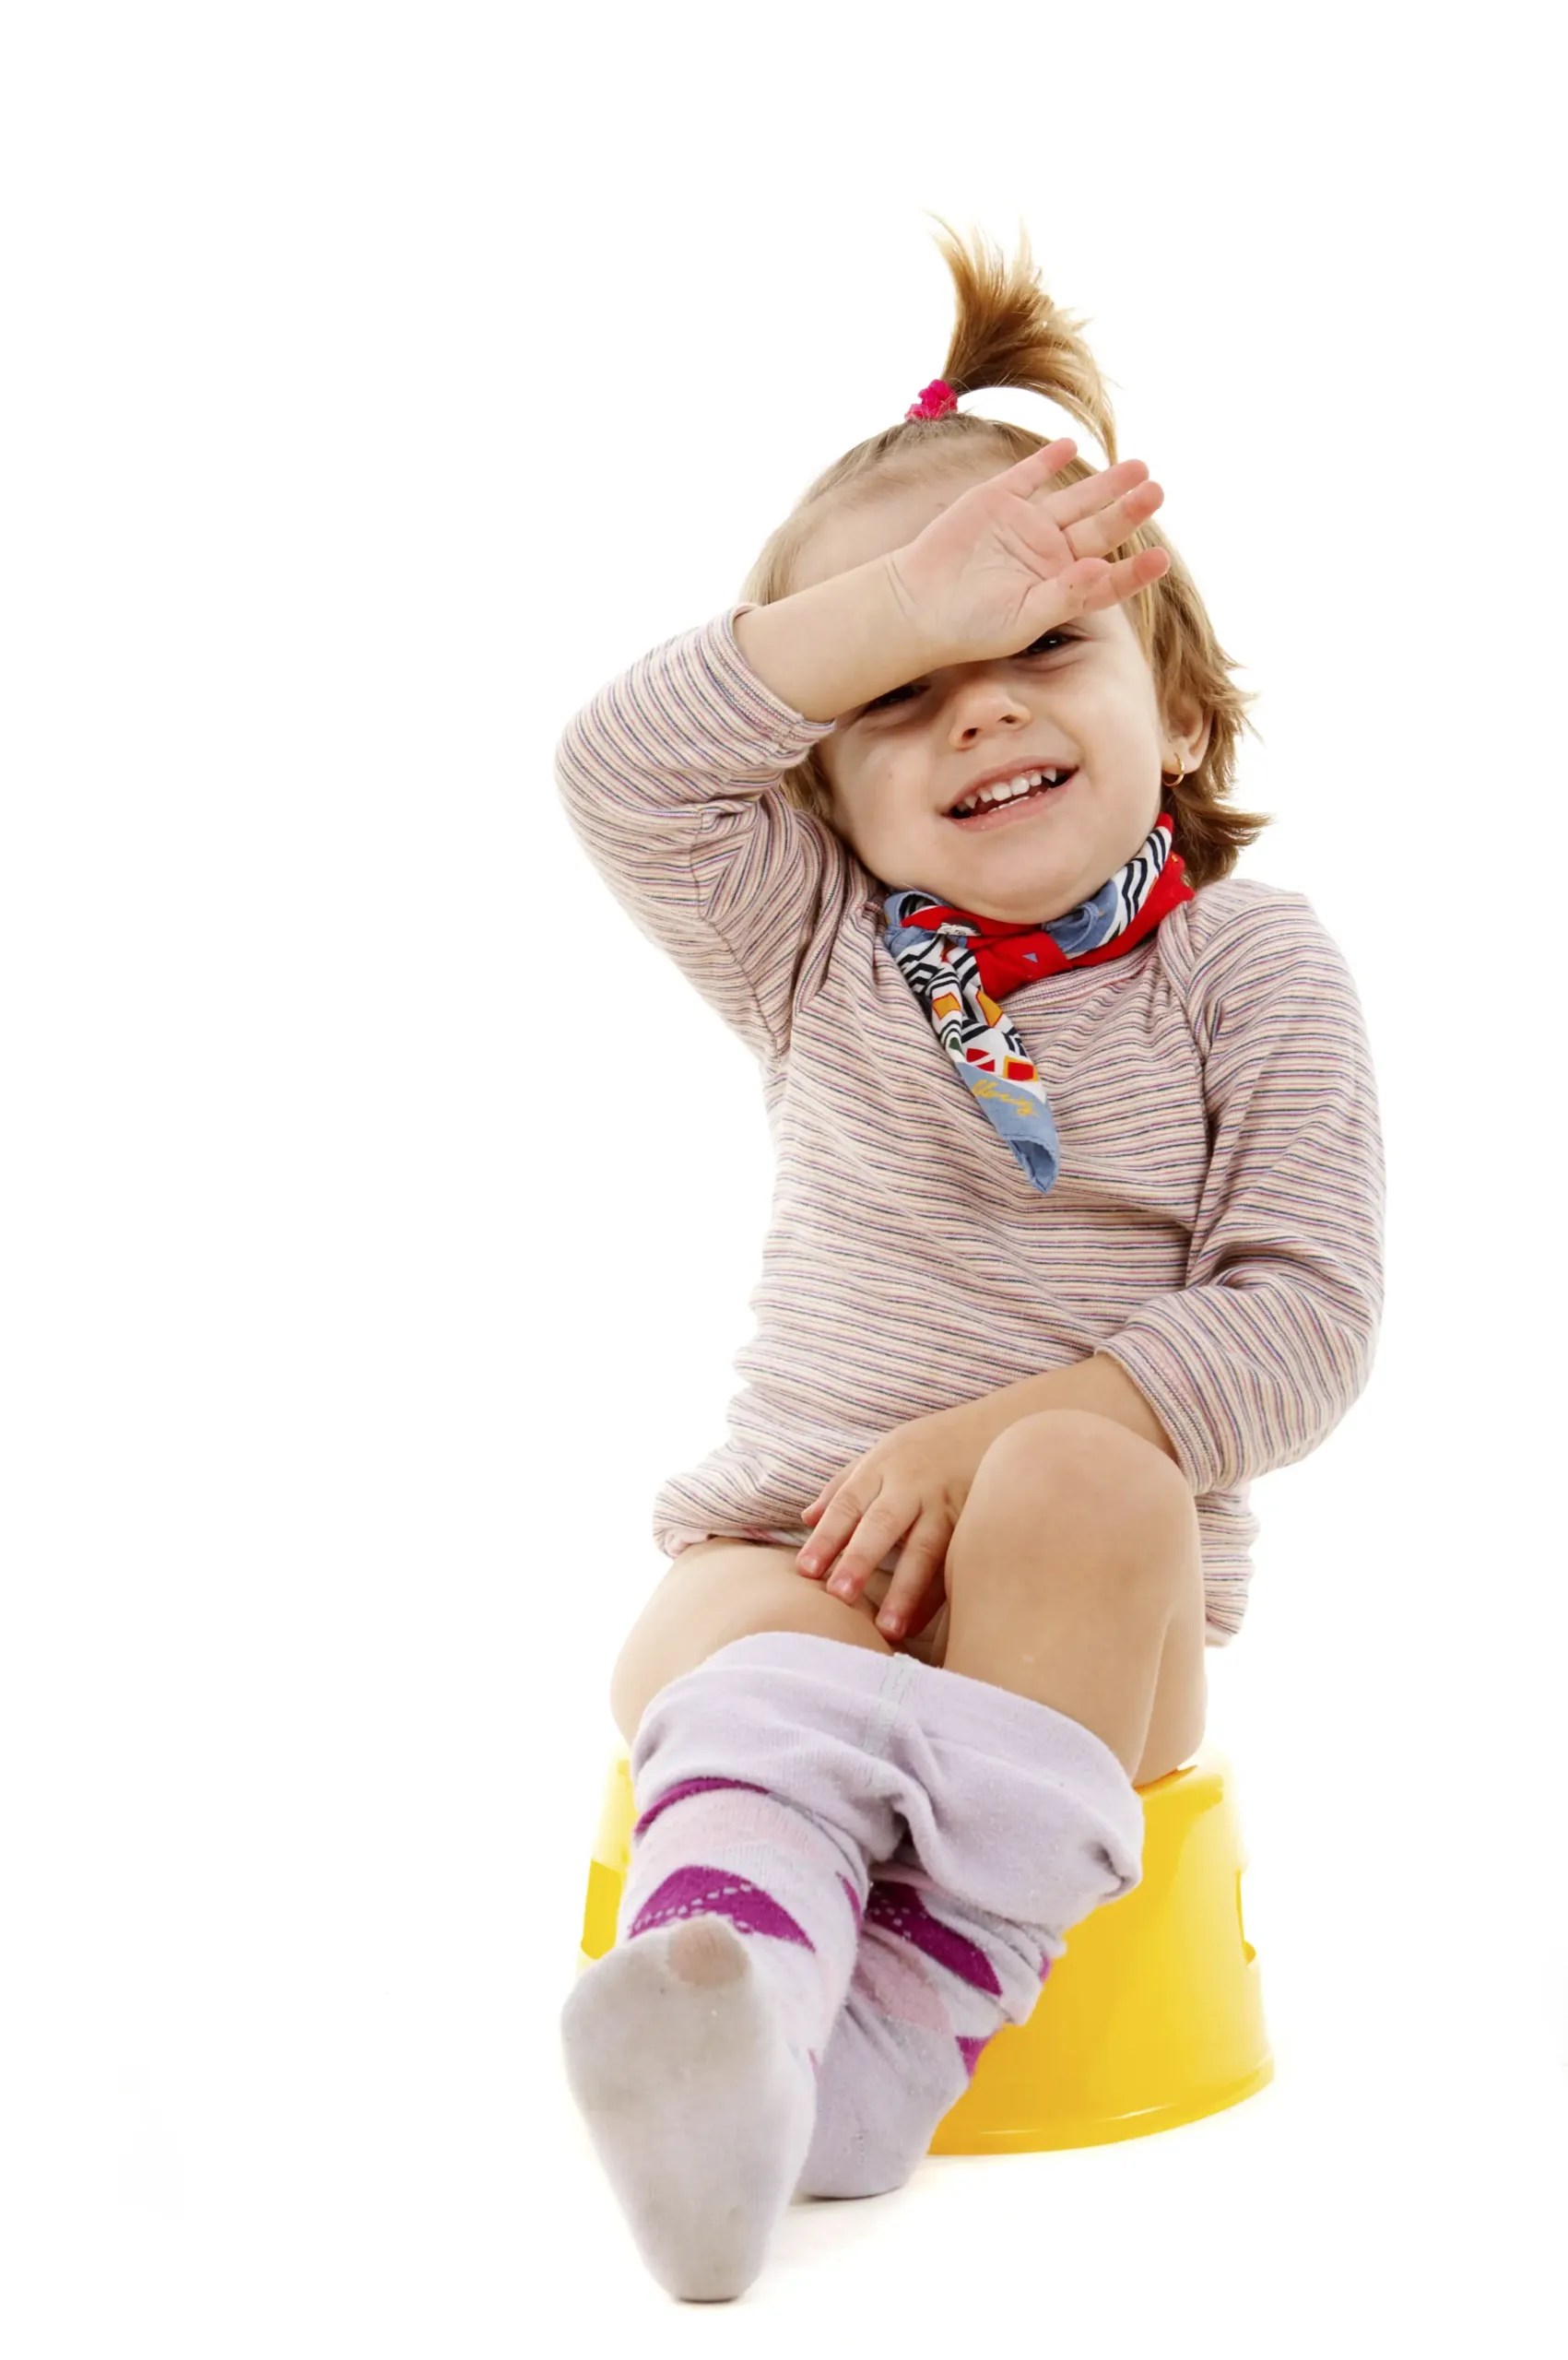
[[692, 2047], [1066, 1507], [718, 1591], [1075, 1581], [768, 1779]]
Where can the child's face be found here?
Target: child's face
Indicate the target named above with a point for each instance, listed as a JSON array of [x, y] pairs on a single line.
[[1087, 699]]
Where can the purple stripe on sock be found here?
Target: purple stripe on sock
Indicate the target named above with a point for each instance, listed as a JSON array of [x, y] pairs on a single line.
[[853, 1899], [691, 1787], [697, 1892], [899, 1909], [972, 2048]]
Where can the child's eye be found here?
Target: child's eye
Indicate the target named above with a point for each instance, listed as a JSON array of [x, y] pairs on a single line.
[[1031, 650]]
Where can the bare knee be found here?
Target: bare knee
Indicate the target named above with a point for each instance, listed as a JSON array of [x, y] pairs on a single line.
[[1076, 1577], [714, 1594], [1107, 1501]]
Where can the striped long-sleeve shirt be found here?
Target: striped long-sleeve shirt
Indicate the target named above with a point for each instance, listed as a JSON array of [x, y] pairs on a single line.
[[1216, 1224]]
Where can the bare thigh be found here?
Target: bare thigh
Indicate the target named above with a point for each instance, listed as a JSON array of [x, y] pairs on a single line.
[[723, 1589]]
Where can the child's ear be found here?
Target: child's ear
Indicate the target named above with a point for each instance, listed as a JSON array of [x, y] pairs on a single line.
[[1189, 730]]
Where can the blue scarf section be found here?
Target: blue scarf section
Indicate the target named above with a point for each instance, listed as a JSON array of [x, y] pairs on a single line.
[[958, 967]]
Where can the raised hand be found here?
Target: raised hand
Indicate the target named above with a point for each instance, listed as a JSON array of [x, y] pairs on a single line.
[[1011, 557]]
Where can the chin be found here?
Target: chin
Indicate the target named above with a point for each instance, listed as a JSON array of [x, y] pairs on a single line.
[[1016, 903]]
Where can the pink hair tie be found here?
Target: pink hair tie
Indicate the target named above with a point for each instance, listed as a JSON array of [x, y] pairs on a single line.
[[936, 400]]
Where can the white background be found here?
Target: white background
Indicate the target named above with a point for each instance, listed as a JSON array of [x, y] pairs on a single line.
[[380, 1208]]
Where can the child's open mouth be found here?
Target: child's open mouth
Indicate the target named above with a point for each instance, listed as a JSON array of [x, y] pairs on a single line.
[[1001, 815]]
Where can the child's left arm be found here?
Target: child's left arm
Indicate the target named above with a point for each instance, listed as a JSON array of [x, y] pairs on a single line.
[[1253, 1361]]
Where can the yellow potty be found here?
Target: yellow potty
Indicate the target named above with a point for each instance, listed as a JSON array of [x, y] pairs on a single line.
[[1151, 2017]]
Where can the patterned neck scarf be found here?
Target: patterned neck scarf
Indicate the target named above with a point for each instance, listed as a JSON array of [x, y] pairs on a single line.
[[959, 967]]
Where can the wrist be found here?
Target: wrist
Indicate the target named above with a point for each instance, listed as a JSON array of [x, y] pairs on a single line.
[[826, 650]]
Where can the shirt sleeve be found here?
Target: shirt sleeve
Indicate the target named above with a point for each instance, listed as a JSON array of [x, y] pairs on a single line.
[[1255, 1360], [670, 777]]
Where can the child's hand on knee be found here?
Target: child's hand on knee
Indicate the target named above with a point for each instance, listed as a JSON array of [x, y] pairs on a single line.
[[909, 1489]]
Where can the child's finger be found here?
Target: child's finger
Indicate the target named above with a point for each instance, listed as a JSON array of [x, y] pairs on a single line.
[[819, 1505], [838, 1521], [1073, 503], [920, 1561], [930, 1603], [877, 1530], [1128, 574]]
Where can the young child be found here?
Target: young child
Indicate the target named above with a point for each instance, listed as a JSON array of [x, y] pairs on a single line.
[[1077, 1229]]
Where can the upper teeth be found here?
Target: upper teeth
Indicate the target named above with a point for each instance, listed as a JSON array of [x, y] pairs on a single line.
[[1004, 791]]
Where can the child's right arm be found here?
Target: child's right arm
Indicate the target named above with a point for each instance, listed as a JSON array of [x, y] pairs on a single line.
[[838, 644], [671, 779]]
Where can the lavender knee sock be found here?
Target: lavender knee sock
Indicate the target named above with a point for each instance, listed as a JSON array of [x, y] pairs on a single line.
[[1031, 1823], [764, 1789]]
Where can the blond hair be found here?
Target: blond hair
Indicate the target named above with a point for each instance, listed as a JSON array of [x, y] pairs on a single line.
[[1008, 332]]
